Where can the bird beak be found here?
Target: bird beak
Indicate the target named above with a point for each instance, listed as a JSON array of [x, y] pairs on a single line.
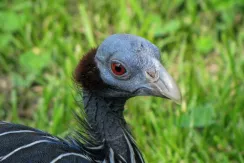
[[163, 85]]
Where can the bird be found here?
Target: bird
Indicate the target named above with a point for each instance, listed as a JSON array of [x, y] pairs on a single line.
[[121, 67]]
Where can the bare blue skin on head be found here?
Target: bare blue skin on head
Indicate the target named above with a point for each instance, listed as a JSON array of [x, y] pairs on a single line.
[[144, 73]]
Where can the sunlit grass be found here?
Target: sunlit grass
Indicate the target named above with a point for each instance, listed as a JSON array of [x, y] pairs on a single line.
[[202, 46]]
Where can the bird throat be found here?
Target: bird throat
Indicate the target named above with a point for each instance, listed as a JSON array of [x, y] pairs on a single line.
[[105, 116]]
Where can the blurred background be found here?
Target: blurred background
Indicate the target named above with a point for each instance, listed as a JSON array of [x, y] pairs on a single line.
[[202, 46]]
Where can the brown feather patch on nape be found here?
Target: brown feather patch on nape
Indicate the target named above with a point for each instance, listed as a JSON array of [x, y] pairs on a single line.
[[87, 74]]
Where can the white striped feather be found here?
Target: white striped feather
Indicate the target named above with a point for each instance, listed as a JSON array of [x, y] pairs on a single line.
[[68, 154], [2, 158], [16, 132]]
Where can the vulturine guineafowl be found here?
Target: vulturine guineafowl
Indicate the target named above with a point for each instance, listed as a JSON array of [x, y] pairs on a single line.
[[123, 66]]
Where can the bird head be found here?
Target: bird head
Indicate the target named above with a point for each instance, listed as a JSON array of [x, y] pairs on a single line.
[[125, 65]]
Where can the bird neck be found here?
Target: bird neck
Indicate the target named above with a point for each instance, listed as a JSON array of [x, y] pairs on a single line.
[[105, 117]]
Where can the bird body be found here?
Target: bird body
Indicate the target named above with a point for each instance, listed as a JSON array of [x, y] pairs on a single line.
[[123, 66]]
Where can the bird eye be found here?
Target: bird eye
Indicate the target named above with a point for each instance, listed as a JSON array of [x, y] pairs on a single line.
[[118, 68]]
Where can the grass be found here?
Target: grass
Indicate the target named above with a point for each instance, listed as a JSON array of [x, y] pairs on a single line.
[[202, 46]]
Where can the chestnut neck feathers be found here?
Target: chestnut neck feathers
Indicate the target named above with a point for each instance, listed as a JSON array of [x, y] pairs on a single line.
[[87, 74]]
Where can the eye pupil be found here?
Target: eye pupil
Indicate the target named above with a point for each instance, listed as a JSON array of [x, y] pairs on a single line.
[[118, 68]]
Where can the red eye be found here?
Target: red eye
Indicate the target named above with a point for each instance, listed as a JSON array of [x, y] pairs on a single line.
[[118, 69]]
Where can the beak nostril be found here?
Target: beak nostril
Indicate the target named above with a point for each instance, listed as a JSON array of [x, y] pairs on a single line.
[[151, 73]]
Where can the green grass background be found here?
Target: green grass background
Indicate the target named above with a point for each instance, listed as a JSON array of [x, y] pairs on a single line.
[[202, 46]]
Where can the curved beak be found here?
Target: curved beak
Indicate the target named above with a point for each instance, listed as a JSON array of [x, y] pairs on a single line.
[[163, 85]]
